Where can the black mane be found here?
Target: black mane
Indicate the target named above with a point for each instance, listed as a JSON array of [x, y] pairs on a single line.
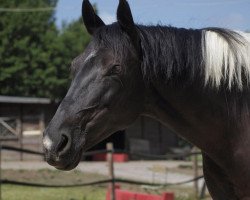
[[171, 52], [167, 51], [112, 37]]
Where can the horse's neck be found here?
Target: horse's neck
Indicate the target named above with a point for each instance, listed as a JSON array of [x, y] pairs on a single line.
[[160, 104], [187, 112]]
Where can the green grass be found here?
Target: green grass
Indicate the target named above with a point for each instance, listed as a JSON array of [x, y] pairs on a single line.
[[10, 192], [50, 177], [46, 176]]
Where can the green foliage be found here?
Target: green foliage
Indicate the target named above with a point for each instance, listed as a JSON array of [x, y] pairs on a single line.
[[35, 56], [73, 39]]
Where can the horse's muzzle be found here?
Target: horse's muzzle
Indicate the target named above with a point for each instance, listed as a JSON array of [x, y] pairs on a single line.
[[61, 154]]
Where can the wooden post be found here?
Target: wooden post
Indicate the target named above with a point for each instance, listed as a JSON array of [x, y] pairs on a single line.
[[160, 136], [41, 122], [42, 128], [142, 127], [203, 191], [0, 171], [111, 170], [195, 167], [19, 130]]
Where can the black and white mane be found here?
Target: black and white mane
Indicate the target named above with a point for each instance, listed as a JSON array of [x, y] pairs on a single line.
[[219, 56]]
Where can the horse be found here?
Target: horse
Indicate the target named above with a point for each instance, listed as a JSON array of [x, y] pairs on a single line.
[[195, 81]]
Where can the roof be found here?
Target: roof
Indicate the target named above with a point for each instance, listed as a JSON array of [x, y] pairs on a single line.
[[24, 100]]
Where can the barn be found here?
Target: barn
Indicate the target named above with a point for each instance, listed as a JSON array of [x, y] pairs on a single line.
[[26, 117], [145, 135]]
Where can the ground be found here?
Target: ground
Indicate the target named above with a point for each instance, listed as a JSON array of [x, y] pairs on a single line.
[[10, 192], [40, 172]]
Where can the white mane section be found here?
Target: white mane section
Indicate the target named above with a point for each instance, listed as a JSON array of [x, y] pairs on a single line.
[[226, 60]]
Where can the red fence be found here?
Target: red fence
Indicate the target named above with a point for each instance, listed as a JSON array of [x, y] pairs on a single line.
[[128, 195]]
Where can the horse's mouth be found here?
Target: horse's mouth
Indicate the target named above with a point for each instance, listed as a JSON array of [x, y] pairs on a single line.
[[66, 162], [70, 165]]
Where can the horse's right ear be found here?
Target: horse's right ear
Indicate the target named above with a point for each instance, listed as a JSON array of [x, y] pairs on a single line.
[[91, 20]]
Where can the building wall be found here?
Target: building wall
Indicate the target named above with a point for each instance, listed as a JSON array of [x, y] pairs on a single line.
[[28, 111], [34, 117], [150, 136]]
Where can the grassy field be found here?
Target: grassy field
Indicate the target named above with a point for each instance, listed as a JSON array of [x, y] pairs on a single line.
[[11, 192]]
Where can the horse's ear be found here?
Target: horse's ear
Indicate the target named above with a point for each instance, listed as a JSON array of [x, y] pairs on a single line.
[[91, 20], [126, 22]]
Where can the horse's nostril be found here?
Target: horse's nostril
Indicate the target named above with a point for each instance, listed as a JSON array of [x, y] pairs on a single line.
[[64, 144]]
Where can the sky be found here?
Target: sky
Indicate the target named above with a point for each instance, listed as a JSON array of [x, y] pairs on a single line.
[[232, 14]]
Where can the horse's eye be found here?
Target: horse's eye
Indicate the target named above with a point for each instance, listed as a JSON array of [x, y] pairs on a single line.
[[116, 69]]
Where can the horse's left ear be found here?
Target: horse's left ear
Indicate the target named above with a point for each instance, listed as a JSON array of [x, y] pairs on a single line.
[[126, 22], [91, 20]]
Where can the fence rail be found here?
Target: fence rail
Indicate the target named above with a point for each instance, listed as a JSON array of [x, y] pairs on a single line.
[[91, 153], [106, 181], [116, 180]]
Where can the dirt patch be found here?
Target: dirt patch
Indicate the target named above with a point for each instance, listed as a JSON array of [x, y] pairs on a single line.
[[181, 168]]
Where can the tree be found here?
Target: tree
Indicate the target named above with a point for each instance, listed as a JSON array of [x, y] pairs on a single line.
[[34, 55], [73, 38]]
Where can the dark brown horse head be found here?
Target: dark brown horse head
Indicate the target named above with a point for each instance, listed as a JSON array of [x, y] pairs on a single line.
[[106, 93]]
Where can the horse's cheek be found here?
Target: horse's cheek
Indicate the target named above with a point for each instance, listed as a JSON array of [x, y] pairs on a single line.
[[108, 97]]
